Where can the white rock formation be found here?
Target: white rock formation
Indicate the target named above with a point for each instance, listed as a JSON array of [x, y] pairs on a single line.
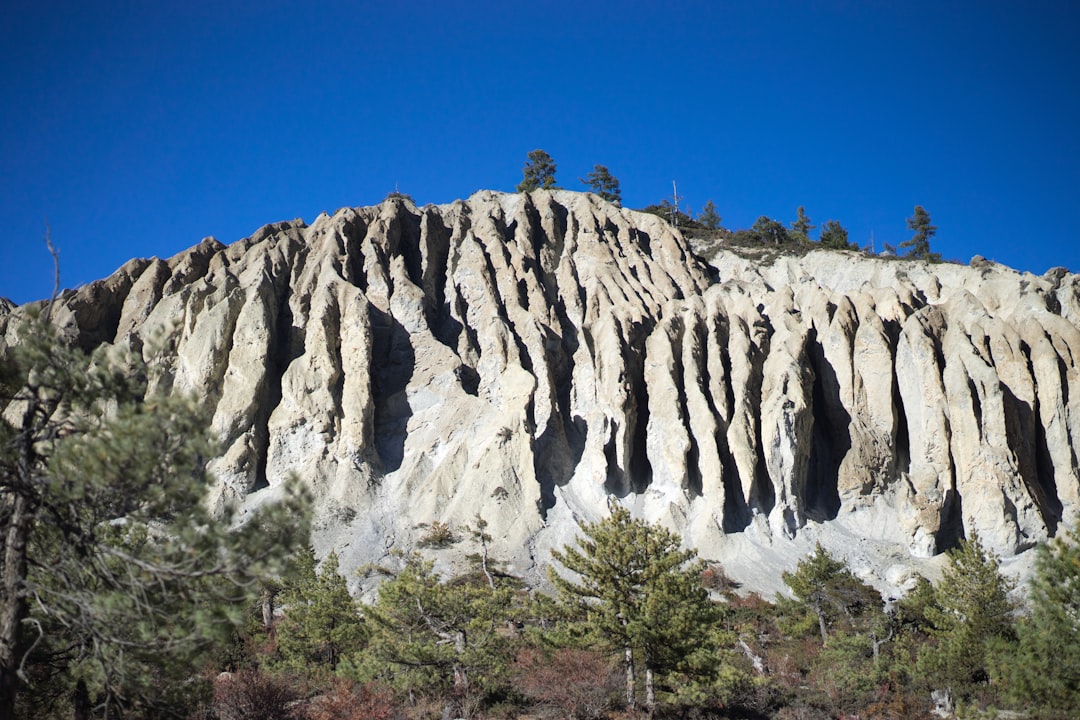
[[524, 356]]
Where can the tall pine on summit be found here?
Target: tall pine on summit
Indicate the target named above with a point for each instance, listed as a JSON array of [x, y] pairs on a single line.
[[538, 173], [802, 225], [919, 243], [604, 184]]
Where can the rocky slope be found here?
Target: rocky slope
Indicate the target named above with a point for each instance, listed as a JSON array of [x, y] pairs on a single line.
[[526, 356]]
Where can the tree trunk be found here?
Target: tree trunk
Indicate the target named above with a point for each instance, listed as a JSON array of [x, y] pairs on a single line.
[[14, 606], [461, 678], [266, 602], [82, 701], [821, 625], [650, 691], [629, 659], [878, 642], [13, 573]]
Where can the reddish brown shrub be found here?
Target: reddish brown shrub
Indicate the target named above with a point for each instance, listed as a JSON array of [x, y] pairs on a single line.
[[581, 683], [896, 705], [253, 695], [714, 577], [346, 700]]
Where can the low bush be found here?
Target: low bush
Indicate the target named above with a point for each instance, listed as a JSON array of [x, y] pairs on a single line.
[[255, 695], [347, 700], [581, 683]]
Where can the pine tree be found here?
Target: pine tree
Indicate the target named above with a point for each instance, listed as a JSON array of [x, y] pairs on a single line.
[[666, 209], [833, 235], [117, 582], [322, 621], [768, 230], [538, 173], [427, 634], [636, 591], [827, 589], [919, 243], [604, 184], [971, 614], [848, 616], [802, 223], [1045, 671], [709, 217]]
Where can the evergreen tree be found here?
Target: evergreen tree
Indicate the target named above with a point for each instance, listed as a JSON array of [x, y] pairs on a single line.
[[666, 209], [538, 173], [709, 217], [769, 230], [919, 243], [1045, 671], [847, 614], [427, 634], [829, 592], [322, 621], [603, 183], [802, 223], [635, 591], [833, 235], [971, 614], [117, 582]]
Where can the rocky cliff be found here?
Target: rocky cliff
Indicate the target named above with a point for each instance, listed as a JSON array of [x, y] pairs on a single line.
[[526, 356]]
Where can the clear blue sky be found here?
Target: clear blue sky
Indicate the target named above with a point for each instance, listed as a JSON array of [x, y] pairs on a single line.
[[137, 128]]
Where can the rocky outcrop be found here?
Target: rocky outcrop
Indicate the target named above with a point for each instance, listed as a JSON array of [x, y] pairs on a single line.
[[524, 356]]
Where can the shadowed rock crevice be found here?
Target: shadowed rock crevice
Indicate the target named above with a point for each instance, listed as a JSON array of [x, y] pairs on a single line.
[[976, 403], [435, 255], [831, 437], [560, 446], [354, 232], [450, 330], [615, 482], [901, 441], [394, 359], [639, 469], [763, 495], [951, 526], [287, 344], [409, 242], [1024, 435]]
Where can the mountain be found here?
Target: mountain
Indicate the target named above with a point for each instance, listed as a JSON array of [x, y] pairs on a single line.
[[529, 356]]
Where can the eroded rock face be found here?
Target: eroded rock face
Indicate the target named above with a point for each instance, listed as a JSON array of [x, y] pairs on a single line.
[[524, 356]]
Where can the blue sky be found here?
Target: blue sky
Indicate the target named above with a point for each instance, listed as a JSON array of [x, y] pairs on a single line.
[[137, 128]]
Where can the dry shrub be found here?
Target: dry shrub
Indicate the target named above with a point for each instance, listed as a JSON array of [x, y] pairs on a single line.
[[346, 700], [426, 707], [714, 577], [791, 660], [761, 698], [439, 535], [629, 715], [581, 683], [896, 705], [254, 695]]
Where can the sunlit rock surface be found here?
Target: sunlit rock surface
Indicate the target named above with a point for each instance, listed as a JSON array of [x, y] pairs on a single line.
[[526, 356]]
